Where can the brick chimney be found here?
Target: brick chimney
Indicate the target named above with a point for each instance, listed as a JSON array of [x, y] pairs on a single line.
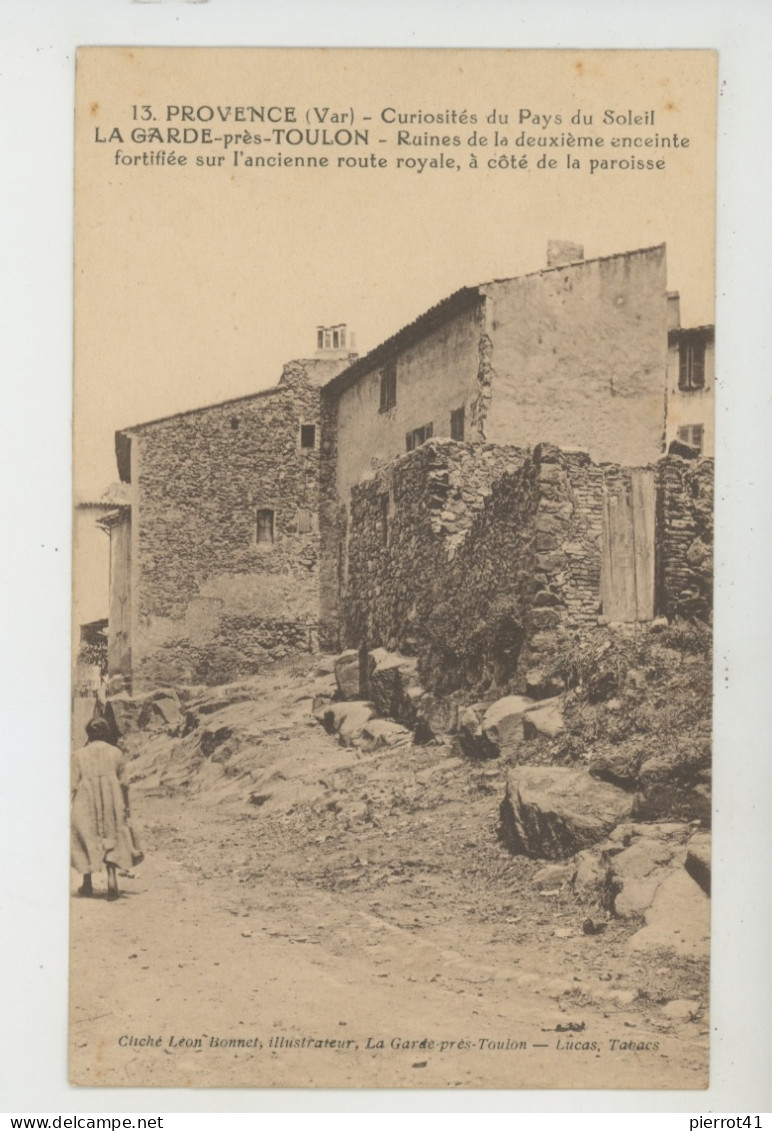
[[561, 252]]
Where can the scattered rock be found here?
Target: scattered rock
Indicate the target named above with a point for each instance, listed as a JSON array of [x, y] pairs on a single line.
[[123, 712], [377, 733], [162, 712], [678, 919], [348, 720], [470, 740], [393, 685], [698, 860], [502, 723], [545, 719], [553, 875], [620, 767], [540, 685], [554, 812], [663, 791]]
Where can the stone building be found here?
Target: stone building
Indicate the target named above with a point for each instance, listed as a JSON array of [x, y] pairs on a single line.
[[215, 559], [473, 491], [691, 379]]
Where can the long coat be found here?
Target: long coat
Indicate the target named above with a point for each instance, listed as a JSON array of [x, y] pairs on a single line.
[[100, 832]]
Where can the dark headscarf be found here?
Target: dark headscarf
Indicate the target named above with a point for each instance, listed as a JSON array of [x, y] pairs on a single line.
[[98, 730]]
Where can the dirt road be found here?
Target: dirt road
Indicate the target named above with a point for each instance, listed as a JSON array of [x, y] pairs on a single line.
[[370, 933]]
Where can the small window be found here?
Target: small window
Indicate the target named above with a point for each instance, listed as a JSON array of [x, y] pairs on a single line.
[[305, 520], [419, 436], [308, 435], [692, 434], [457, 424], [691, 364], [388, 387], [384, 519], [320, 338], [265, 527]]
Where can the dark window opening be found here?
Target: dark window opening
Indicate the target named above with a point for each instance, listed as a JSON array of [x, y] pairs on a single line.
[[388, 387], [265, 527], [691, 364], [692, 434], [308, 435], [457, 424], [320, 339], [419, 436], [384, 519], [234, 422]]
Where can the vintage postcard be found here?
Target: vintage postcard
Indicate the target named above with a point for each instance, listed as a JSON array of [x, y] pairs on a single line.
[[393, 435]]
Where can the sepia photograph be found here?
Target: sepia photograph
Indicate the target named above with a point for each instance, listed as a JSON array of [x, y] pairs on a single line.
[[394, 401]]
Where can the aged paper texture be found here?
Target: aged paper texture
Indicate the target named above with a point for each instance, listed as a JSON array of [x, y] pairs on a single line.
[[393, 444]]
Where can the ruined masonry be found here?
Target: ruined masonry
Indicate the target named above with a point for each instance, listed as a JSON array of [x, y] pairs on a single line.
[[472, 493]]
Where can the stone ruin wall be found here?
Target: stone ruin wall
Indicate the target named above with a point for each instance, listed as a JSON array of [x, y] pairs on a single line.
[[492, 556], [685, 521]]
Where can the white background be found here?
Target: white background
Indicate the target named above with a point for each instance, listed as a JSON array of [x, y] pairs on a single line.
[[37, 44]]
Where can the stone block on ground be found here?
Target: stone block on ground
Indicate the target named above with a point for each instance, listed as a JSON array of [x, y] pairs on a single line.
[[162, 712], [377, 733], [620, 767], [681, 1010], [663, 792], [347, 720], [437, 714], [393, 685], [123, 712], [544, 719], [346, 667], [471, 742], [553, 812], [502, 723], [678, 919]]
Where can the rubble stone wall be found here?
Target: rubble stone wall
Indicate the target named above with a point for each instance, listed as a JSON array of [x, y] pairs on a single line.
[[481, 560], [685, 532], [579, 357]]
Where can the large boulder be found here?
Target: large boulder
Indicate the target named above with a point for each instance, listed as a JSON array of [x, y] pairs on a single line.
[[162, 711], [540, 684], [677, 920], [393, 685], [471, 741], [553, 812], [346, 667], [502, 723]]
